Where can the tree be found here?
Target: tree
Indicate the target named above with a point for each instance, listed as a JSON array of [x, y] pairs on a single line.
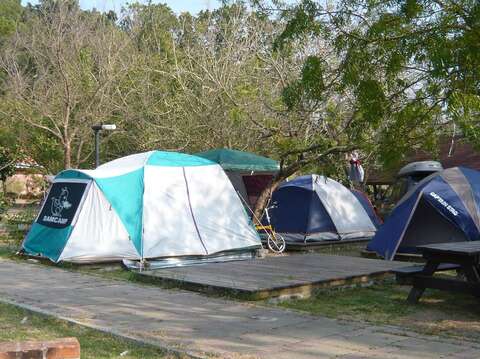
[[7, 165], [10, 12], [418, 60], [64, 70], [346, 95], [230, 89]]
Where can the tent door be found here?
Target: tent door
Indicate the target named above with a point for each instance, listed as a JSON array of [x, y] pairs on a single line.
[[61, 207], [427, 226]]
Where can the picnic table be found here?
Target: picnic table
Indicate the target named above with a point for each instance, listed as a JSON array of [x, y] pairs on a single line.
[[461, 256]]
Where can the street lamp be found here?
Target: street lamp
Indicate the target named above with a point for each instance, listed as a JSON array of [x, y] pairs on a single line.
[[97, 129]]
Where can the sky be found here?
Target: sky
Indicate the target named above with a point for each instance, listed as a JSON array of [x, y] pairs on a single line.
[[178, 6]]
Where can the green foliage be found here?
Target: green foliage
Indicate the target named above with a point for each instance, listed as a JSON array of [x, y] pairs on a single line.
[[411, 9], [411, 65], [310, 86], [18, 223], [7, 163], [153, 26], [465, 109], [5, 203], [10, 12], [301, 22], [312, 77], [381, 76], [371, 101]]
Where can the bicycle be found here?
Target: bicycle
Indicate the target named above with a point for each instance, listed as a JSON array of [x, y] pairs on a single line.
[[275, 242]]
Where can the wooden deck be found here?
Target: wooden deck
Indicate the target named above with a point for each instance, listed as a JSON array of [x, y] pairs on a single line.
[[278, 276], [322, 245]]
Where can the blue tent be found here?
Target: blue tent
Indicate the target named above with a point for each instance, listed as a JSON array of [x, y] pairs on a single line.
[[367, 206], [315, 208], [444, 207]]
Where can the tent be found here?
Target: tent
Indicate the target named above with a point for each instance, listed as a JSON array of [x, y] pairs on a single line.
[[443, 207], [248, 172], [368, 207], [147, 205], [316, 208]]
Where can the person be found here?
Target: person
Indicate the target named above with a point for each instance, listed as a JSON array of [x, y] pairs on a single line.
[[356, 174]]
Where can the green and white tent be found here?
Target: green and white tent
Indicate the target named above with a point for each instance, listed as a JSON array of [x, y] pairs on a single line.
[[240, 161], [147, 205], [249, 173]]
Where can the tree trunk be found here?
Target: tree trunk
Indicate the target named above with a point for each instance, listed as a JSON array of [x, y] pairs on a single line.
[[4, 186], [67, 155], [265, 196], [288, 171]]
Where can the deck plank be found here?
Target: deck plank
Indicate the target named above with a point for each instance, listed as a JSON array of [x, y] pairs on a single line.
[[275, 274]]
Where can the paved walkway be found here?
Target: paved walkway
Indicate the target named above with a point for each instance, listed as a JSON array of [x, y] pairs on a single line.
[[201, 325]]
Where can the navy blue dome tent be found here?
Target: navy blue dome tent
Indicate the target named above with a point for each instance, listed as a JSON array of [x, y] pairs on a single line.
[[443, 207], [368, 207], [316, 208]]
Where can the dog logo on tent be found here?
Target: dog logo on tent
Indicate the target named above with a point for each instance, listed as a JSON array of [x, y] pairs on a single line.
[[60, 203]]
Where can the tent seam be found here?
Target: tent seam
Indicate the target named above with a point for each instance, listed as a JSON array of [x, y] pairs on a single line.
[[474, 215], [326, 210], [420, 195], [143, 207], [191, 211]]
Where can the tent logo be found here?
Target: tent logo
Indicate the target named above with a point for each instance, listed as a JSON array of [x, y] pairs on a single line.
[[444, 203], [58, 205]]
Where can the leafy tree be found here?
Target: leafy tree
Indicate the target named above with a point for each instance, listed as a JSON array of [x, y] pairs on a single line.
[[10, 12], [411, 64], [395, 74], [7, 165], [64, 70]]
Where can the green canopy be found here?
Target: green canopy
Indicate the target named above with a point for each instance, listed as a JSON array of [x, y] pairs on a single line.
[[233, 160]]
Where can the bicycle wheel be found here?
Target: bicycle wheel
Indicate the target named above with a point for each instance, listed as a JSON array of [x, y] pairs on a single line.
[[276, 243]]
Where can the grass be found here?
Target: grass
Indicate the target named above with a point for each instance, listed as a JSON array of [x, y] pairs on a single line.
[[438, 313], [93, 344], [350, 249]]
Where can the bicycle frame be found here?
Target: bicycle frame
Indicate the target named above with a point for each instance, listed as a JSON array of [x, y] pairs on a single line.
[[267, 229]]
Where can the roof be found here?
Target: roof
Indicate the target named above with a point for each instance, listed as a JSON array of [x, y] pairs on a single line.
[[460, 154], [233, 160]]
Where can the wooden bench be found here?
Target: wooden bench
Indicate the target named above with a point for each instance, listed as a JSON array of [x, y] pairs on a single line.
[[405, 275], [441, 256]]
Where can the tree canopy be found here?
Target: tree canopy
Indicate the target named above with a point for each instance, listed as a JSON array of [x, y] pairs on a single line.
[[304, 83]]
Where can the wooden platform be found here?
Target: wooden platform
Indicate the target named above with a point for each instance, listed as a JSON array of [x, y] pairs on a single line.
[[321, 245], [400, 257], [279, 276]]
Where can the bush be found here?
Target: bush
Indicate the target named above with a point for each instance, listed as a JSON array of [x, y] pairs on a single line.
[[19, 223], [5, 203]]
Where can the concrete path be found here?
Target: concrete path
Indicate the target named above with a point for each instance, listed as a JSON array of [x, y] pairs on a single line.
[[203, 326]]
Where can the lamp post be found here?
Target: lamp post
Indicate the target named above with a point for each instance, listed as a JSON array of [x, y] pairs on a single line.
[[96, 129]]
